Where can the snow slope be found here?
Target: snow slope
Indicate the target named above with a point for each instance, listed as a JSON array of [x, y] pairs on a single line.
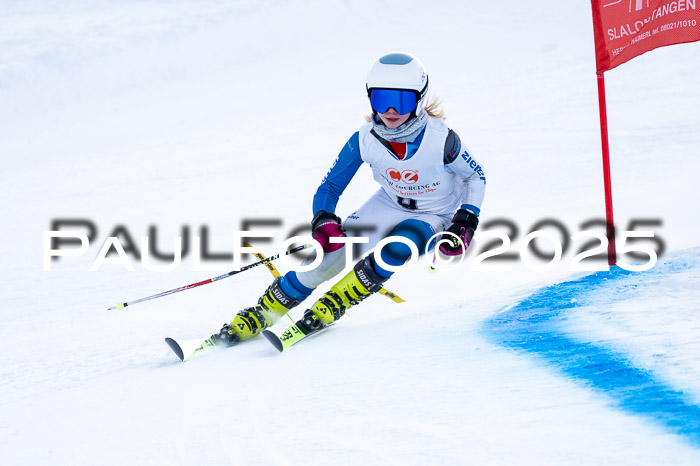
[[205, 114]]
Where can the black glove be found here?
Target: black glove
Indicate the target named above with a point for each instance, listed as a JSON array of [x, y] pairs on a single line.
[[464, 224]]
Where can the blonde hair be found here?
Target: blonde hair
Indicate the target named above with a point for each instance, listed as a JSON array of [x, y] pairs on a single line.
[[433, 108]]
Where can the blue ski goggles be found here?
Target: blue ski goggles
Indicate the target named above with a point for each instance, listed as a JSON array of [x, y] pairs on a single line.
[[402, 101]]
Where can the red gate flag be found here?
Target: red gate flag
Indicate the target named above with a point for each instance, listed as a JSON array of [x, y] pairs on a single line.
[[624, 29]]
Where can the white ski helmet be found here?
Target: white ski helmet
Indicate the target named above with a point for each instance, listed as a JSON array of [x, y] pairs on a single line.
[[400, 71]]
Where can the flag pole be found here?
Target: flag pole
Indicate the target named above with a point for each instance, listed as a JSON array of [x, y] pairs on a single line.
[[610, 224]]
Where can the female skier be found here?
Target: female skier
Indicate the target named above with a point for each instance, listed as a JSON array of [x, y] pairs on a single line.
[[429, 181]]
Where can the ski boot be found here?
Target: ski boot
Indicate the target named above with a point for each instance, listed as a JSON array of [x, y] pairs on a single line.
[[356, 286], [226, 336], [273, 304]]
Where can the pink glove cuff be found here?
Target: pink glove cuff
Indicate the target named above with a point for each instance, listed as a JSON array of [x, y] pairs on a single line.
[[324, 232], [465, 235]]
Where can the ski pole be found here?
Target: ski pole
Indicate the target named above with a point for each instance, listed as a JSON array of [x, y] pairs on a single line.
[[121, 306], [268, 264]]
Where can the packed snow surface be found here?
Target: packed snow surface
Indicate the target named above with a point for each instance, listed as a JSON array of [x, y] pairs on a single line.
[[166, 119]]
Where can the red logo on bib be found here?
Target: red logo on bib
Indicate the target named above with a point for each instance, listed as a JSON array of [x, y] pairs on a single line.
[[407, 176], [393, 174]]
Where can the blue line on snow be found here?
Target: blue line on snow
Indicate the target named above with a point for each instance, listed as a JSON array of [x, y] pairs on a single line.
[[533, 326]]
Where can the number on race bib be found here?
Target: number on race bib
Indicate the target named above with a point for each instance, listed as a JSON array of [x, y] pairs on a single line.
[[409, 204]]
